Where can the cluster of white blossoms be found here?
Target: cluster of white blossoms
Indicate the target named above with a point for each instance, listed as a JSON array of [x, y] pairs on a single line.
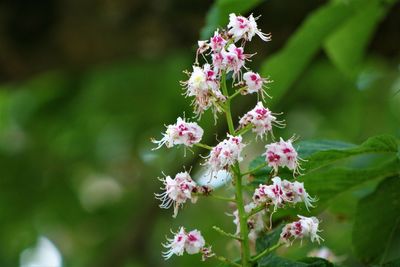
[[261, 119], [225, 59], [226, 153], [181, 133], [191, 242], [305, 227], [282, 154], [281, 192]]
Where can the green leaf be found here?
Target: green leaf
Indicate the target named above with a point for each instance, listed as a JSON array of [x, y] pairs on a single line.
[[269, 239], [326, 185], [218, 15], [346, 47], [273, 261], [376, 232], [334, 151], [286, 66], [322, 153]]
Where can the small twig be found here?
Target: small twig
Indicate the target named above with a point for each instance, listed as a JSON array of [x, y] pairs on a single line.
[[223, 198], [255, 210], [256, 168], [266, 252], [244, 129], [203, 146], [238, 91], [222, 232], [225, 260]]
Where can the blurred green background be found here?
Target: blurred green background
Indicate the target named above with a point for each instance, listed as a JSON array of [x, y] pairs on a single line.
[[86, 84]]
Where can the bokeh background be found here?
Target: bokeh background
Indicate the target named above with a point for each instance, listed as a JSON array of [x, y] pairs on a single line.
[[84, 85]]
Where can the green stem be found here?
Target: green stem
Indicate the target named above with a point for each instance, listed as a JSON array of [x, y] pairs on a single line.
[[266, 252], [225, 260], [259, 167], [227, 105], [244, 129], [238, 91], [203, 146], [223, 198], [222, 232], [255, 210], [244, 231]]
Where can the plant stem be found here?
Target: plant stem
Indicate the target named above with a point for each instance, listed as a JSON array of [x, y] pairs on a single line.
[[259, 167], [266, 252], [238, 91], [203, 146], [222, 232], [227, 105], [244, 231], [225, 260]]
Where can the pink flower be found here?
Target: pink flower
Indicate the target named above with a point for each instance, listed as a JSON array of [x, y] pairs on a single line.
[[254, 83], [204, 85], [181, 133], [262, 120], [233, 59], [177, 191], [175, 245], [282, 154], [217, 42], [226, 153], [281, 193], [192, 242], [241, 27], [305, 227]]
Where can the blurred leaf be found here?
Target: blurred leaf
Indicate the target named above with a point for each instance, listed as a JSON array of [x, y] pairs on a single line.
[[376, 232], [273, 261], [218, 15], [333, 151], [394, 263], [286, 66], [346, 47]]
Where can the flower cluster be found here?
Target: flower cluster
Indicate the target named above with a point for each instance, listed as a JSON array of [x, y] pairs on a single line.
[[178, 190], [192, 242], [226, 153], [204, 83], [225, 59], [261, 119], [282, 154], [281, 192], [181, 133], [305, 227]]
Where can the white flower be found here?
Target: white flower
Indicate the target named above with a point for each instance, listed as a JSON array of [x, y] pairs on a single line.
[[241, 27], [175, 245], [233, 59], [217, 42], [177, 191], [305, 227], [270, 194], [194, 242], [300, 195], [282, 192], [282, 154], [262, 120], [226, 153], [181, 133], [254, 83], [204, 85]]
